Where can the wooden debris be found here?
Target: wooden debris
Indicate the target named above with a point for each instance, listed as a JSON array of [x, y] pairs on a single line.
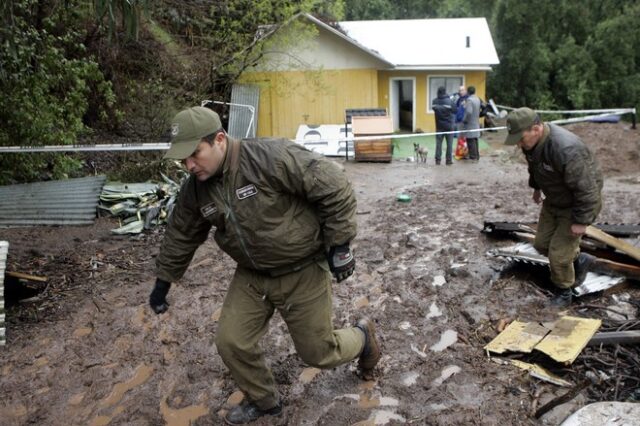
[[615, 337], [623, 246], [562, 399], [21, 276]]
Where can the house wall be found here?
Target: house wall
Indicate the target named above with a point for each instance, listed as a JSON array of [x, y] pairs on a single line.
[[425, 119], [325, 50], [291, 98]]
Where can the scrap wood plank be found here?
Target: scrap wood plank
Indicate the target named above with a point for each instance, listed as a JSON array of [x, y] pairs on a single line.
[[21, 276], [615, 337], [614, 242], [607, 266]]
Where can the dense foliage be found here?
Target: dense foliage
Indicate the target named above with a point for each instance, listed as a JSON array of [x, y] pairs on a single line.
[[46, 80], [564, 54]]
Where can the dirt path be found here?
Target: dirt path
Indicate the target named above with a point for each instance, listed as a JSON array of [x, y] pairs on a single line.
[[88, 351]]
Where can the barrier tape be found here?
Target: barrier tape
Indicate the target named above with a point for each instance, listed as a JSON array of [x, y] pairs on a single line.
[[578, 111], [165, 146]]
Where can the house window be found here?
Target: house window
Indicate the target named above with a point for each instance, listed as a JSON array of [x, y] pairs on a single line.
[[451, 83]]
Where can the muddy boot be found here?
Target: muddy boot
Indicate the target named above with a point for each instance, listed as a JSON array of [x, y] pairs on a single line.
[[581, 266], [248, 412], [562, 299], [370, 354]]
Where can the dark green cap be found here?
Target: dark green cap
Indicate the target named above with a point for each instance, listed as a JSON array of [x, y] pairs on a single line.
[[188, 128], [518, 121]]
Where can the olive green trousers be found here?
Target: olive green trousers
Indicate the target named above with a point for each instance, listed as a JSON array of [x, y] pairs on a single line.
[[555, 240], [303, 299]]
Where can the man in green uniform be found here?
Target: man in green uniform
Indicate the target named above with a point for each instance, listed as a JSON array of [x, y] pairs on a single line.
[[286, 216], [561, 168]]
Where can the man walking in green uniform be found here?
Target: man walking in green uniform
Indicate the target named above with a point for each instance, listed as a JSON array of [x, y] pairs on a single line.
[[286, 216], [561, 168]]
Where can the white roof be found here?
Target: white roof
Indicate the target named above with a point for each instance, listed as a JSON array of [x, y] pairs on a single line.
[[427, 43]]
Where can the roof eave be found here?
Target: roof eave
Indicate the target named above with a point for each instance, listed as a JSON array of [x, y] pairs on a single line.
[[346, 38], [484, 67]]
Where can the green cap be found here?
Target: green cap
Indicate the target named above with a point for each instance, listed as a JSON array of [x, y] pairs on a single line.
[[188, 128], [518, 121]]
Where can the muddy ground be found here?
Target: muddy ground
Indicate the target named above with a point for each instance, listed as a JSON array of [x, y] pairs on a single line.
[[88, 350]]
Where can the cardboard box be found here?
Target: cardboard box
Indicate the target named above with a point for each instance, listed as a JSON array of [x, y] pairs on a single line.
[[373, 150]]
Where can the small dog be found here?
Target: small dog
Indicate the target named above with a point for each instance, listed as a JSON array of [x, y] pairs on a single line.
[[421, 153]]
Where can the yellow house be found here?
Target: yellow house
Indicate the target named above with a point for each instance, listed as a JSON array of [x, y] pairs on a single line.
[[397, 65]]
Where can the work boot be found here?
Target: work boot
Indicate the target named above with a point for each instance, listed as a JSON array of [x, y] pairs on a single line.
[[581, 266], [370, 354], [248, 412], [562, 299]]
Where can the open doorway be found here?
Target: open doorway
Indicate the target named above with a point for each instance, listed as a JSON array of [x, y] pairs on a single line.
[[402, 103]]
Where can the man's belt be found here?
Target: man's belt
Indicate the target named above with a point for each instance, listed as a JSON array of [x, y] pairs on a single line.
[[293, 267]]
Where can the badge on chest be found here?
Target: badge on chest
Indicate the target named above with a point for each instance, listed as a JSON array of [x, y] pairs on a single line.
[[246, 192], [208, 210]]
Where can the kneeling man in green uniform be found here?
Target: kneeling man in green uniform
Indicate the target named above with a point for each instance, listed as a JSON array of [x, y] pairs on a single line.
[[566, 179], [286, 216]]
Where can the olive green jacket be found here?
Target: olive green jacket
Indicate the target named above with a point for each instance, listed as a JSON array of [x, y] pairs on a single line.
[[275, 204], [566, 171]]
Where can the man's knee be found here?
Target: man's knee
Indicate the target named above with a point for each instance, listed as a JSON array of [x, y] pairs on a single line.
[[314, 355], [227, 342]]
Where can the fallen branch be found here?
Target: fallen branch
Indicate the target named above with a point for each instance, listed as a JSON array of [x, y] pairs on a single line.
[[562, 398]]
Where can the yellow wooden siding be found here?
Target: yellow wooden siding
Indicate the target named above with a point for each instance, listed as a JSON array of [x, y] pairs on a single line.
[[291, 98], [424, 119]]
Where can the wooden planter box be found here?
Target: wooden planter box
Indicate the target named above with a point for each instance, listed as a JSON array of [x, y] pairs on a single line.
[[378, 150]]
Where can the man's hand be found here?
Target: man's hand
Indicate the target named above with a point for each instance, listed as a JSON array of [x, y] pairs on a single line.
[[158, 297], [537, 196], [578, 229], [341, 261]]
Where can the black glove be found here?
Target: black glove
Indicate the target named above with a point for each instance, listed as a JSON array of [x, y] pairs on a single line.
[[341, 261], [158, 297]]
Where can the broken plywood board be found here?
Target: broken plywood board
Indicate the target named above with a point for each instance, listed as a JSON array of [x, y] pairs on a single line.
[[541, 373], [568, 338], [518, 337], [562, 340]]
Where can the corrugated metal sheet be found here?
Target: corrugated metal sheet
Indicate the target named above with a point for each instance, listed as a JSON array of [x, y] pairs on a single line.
[[243, 121], [62, 202], [4, 249], [526, 253]]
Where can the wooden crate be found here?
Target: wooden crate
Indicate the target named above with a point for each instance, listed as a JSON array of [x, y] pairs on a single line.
[[378, 150]]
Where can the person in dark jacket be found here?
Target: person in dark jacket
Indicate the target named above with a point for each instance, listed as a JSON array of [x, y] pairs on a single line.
[[445, 113], [286, 216], [564, 170], [471, 123]]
